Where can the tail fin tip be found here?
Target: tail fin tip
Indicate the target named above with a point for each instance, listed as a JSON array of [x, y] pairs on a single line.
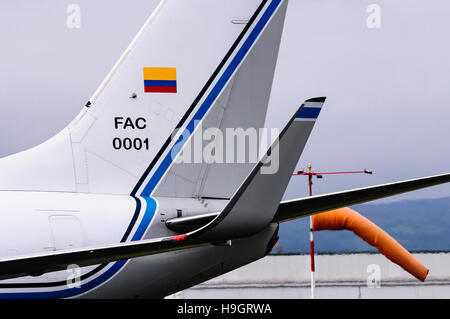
[[317, 99]]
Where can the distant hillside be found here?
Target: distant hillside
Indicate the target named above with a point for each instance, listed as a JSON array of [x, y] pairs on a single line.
[[419, 225]]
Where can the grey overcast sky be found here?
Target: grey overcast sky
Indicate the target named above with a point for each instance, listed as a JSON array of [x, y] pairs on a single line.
[[388, 88]]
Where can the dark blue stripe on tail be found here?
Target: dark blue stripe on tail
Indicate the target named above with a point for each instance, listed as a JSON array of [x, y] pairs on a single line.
[[308, 113]]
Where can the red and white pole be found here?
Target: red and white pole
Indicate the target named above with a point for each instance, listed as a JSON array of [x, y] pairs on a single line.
[[311, 249], [311, 237], [310, 175]]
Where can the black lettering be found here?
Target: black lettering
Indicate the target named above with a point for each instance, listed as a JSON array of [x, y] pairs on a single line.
[[146, 144], [128, 122], [127, 144], [137, 143], [117, 143], [117, 121], [140, 123], [141, 126]]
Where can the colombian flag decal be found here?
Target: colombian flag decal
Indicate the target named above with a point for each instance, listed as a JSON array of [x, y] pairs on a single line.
[[160, 80]]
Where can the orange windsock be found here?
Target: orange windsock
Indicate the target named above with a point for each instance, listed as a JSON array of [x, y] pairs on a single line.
[[346, 218]]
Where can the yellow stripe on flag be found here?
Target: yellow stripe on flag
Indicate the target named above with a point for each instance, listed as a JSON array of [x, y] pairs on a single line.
[[160, 74]]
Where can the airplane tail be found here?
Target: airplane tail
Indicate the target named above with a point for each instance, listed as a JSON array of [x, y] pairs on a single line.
[[191, 59]]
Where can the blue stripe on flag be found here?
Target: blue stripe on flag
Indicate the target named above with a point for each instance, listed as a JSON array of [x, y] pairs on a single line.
[[160, 83]]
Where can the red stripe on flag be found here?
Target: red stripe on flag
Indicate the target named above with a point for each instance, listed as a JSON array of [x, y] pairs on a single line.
[[160, 89]]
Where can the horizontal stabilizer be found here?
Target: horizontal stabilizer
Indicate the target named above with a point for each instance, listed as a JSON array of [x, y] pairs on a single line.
[[36, 265], [302, 207]]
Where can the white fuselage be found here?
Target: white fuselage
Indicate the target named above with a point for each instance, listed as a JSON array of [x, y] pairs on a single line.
[[40, 222]]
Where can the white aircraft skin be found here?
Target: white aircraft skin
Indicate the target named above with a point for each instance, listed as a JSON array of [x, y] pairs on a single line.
[[75, 190], [109, 178], [93, 220]]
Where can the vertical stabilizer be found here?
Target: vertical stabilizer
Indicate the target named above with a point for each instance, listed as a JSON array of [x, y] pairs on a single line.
[[170, 77]]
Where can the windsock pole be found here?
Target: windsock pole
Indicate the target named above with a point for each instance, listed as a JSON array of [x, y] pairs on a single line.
[[311, 237], [311, 249], [310, 175]]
